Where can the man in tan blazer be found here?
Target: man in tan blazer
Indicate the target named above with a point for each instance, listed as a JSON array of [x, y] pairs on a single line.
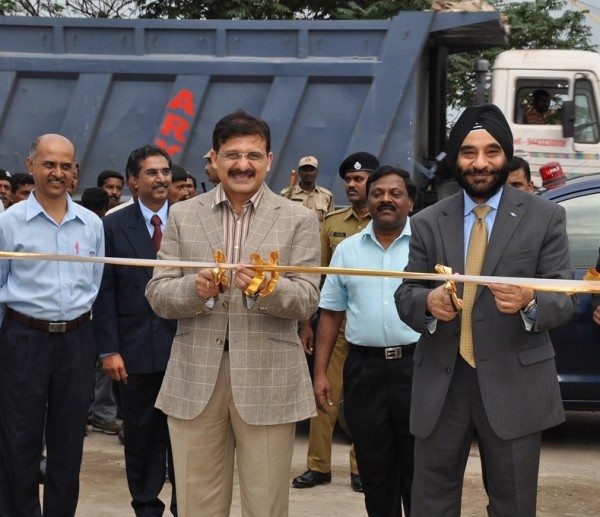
[[237, 379]]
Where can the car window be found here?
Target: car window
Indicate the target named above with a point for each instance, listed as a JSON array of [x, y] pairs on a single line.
[[557, 91], [583, 227], [587, 128]]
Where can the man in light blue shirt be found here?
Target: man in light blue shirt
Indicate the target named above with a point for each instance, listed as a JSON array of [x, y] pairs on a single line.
[[378, 369], [47, 349]]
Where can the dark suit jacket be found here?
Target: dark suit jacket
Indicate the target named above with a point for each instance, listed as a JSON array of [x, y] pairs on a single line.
[[515, 368], [124, 322]]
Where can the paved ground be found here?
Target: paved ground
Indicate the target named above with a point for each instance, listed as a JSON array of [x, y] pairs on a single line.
[[569, 477]]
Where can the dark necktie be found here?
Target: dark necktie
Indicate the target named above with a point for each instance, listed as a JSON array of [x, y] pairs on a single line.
[[475, 256], [157, 235]]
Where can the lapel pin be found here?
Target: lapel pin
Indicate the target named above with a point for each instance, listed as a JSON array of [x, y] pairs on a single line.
[[513, 214]]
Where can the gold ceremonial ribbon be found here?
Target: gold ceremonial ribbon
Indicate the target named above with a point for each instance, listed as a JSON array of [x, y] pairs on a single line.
[[591, 284]]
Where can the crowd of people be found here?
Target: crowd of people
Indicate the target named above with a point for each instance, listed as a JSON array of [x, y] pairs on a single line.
[[197, 369]]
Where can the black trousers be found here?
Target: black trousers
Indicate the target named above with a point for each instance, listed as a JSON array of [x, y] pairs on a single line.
[[147, 445], [510, 466], [377, 408], [37, 369]]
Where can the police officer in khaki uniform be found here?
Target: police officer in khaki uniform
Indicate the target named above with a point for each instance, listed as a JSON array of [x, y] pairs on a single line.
[[337, 225], [307, 191]]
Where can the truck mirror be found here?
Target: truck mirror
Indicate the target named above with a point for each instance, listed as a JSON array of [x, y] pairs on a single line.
[[567, 117]]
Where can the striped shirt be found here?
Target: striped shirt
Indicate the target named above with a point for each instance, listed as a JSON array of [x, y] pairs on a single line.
[[235, 226]]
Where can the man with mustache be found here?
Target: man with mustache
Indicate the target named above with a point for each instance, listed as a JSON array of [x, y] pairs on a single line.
[[178, 191], [21, 185], [487, 370], [133, 342], [519, 174], [378, 369], [5, 188], [307, 191], [47, 350], [339, 224], [112, 182], [237, 379]]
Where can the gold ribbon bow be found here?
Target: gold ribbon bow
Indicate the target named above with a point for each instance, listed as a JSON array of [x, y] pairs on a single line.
[[219, 273], [259, 275], [450, 286]]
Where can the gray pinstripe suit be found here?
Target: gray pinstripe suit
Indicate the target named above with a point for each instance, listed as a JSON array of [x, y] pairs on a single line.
[[269, 376]]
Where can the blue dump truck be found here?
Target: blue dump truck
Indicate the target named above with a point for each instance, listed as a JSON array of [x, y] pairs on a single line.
[[326, 88]]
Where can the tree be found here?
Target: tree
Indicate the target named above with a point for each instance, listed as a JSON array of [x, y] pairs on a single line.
[[533, 24], [102, 8], [278, 9], [85, 8]]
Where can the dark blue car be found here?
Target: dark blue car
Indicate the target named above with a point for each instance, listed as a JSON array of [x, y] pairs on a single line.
[[577, 343]]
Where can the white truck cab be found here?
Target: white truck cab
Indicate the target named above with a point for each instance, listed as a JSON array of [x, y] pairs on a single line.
[[564, 125]]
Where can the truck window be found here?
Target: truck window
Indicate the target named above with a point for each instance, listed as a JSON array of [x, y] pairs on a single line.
[[587, 130], [583, 229], [539, 101]]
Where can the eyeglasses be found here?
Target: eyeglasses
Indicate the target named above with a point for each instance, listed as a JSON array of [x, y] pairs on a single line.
[[235, 156], [153, 173]]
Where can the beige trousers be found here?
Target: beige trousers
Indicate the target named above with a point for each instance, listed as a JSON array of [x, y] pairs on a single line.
[[321, 426], [203, 457]]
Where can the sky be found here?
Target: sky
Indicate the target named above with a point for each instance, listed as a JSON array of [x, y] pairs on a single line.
[[592, 18]]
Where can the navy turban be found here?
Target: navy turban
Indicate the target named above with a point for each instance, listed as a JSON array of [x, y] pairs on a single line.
[[485, 116]]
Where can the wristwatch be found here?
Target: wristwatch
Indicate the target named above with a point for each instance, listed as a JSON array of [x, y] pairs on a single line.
[[530, 307]]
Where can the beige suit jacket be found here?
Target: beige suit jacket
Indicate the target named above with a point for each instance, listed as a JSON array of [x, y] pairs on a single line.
[[269, 374]]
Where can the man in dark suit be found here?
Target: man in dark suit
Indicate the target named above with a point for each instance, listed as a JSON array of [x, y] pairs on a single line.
[[490, 372], [133, 342]]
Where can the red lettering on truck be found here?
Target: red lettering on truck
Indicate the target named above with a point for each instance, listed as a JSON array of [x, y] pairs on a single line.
[[174, 128], [547, 142]]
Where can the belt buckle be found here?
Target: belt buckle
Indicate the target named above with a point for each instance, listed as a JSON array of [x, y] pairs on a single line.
[[393, 353], [57, 327]]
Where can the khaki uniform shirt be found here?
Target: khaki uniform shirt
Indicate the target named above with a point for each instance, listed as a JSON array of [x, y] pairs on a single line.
[[320, 199], [336, 227]]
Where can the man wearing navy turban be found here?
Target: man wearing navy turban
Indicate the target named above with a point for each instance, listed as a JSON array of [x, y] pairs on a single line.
[[486, 370]]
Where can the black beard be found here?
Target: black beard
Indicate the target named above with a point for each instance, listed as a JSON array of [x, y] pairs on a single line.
[[500, 176]]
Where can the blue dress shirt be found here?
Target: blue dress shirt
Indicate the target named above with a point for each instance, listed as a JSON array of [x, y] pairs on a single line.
[[53, 291], [147, 214], [371, 316], [470, 216]]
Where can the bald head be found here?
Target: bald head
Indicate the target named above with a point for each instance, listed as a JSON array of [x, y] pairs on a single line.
[[51, 162], [50, 139]]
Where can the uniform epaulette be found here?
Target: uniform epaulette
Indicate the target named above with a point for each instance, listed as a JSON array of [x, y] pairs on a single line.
[[324, 190], [337, 211]]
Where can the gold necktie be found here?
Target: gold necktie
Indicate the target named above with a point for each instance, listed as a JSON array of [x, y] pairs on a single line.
[[475, 256]]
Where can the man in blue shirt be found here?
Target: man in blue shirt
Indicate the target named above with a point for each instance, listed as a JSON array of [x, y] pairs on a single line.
[[378, 369], [47, 350]]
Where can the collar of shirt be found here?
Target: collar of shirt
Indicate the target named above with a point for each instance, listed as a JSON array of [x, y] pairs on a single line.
[[298, 188], [147, 214], [34, 209], [492, 202], [470, 217], [369, 233], [221, 197]]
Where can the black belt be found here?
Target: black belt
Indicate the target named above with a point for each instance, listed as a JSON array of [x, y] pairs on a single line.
[[391, 352], [54, 327]]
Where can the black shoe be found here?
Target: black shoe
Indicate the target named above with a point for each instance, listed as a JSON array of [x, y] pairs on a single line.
[[311, 478], [356, 483]]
